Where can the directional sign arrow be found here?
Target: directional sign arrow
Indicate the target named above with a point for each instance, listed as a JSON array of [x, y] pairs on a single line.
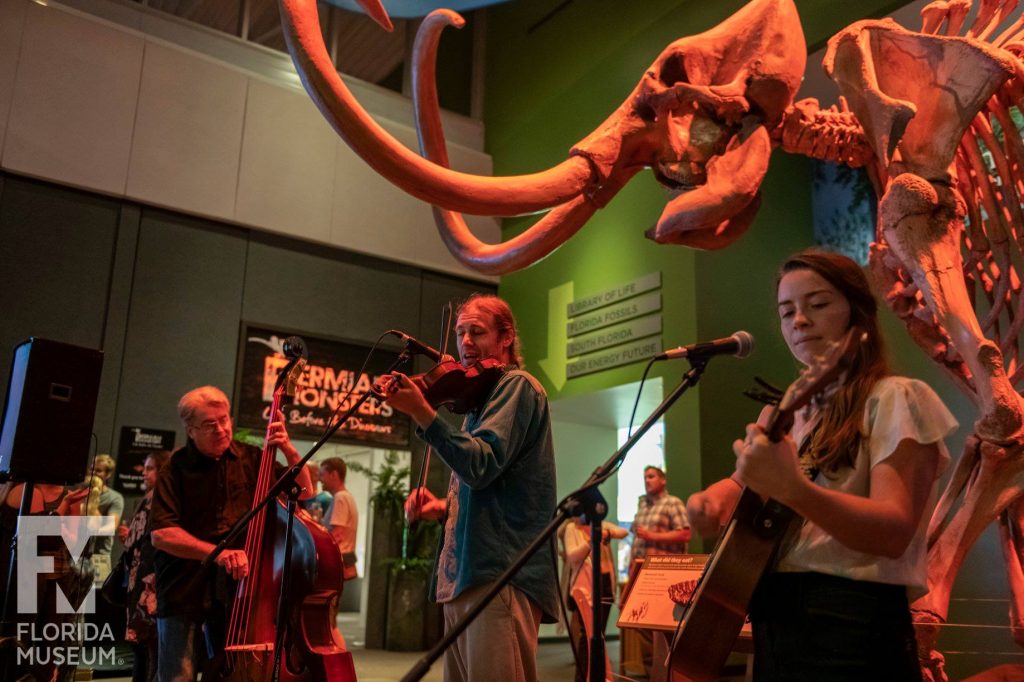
[[554, 363]]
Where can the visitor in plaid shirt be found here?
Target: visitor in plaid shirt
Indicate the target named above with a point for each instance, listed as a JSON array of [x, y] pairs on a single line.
[[661, 525]]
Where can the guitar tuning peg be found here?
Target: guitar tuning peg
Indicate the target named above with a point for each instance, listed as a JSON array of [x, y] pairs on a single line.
[[767, 393], [771, 388]]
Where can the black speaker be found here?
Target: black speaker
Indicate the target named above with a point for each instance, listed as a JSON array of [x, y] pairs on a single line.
[[48, 413]]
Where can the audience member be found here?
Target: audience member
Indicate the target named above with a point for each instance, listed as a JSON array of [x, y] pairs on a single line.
[[342, 516], [318, 504], [580, 587], [111, 503], [141, 575]]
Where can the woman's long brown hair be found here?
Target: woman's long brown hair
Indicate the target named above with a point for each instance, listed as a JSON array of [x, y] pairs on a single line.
[[837, 439]]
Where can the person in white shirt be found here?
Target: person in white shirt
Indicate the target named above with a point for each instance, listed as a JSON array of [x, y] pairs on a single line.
[[860, 467], [342, 516]]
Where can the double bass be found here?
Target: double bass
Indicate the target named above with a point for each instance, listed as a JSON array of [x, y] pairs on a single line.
[[312, 648]]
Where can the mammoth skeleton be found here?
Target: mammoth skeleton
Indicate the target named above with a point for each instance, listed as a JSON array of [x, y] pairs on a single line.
[[929, 114]]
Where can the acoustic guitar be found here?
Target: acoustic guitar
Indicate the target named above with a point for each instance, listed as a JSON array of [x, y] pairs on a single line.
[[749, 542]]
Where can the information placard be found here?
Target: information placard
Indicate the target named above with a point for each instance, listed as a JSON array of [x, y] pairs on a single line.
[[651, 599]]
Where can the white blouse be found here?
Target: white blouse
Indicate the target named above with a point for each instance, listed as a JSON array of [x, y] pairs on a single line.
[[898, 408]]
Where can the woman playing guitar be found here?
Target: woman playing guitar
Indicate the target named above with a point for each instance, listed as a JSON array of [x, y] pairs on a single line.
[[860, 468]]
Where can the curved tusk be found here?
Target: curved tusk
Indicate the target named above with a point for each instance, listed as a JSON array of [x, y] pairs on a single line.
[[376, 11], [419, 177], [493, 259], [521, 251], [426, 107], [717, 213]]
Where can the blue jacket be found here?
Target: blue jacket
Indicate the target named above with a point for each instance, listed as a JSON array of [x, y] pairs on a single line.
[[504, 463]]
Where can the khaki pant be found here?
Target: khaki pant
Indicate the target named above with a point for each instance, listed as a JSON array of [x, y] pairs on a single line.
[[500, 645]]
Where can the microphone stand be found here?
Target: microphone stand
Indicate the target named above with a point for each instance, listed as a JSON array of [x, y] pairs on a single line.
[[24, 510], [287, 485], [588, 500], [594, 509]]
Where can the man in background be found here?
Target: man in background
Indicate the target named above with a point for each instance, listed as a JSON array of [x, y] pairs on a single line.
[[659, 527], [111, 503], [341, 517], [318, 504]]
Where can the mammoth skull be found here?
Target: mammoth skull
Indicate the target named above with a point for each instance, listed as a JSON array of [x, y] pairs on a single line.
[[699, 118]]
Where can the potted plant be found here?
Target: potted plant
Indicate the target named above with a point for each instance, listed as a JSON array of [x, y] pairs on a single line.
[[397, 591], [407, 589]]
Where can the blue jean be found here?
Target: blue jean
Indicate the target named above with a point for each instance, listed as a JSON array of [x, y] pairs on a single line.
[[178, 642]]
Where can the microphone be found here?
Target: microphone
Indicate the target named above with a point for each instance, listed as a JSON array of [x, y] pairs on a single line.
[[294, 348], [739, 344], [416, 346]]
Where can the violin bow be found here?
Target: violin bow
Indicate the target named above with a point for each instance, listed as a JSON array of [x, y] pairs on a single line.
[[446, 329]]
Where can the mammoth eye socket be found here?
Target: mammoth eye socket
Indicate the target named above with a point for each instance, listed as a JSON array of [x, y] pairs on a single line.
[[673, 70]]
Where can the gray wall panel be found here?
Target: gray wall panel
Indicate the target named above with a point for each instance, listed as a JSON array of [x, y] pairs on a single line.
[[326, 291], [55, 271], [165, 295], [55, 263], [184, 316], [121, 276]]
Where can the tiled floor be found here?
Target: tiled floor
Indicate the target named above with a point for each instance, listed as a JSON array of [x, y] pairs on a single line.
[[554, 664], [554, 659]]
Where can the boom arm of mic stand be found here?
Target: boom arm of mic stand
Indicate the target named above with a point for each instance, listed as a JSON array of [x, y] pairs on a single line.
[[287, 479], [570, 508]]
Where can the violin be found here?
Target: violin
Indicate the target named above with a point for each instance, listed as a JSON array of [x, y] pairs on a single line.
[[459, 388]]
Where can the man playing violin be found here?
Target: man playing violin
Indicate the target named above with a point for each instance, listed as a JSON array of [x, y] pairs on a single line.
[[500, 496], [202, 491]]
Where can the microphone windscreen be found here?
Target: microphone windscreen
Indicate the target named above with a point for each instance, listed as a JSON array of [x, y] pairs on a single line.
[[745, 341]]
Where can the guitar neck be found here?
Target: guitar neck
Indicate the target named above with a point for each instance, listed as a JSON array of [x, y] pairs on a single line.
[[780, 423]]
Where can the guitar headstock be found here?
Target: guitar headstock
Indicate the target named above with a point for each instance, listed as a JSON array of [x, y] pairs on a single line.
[[817, 376]]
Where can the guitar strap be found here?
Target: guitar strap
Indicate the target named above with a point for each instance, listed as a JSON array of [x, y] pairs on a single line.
[[809, 466]]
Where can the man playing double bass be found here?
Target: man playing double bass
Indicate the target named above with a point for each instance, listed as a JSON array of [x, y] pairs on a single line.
[[501, 495], [202, 491]]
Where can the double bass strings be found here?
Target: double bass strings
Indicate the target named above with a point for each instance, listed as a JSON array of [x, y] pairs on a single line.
[[237, 628]]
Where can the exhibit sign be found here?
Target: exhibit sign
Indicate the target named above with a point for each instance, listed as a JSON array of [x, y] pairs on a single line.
[[658, 595], [618, 326], [137, 442], [336, 377]]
